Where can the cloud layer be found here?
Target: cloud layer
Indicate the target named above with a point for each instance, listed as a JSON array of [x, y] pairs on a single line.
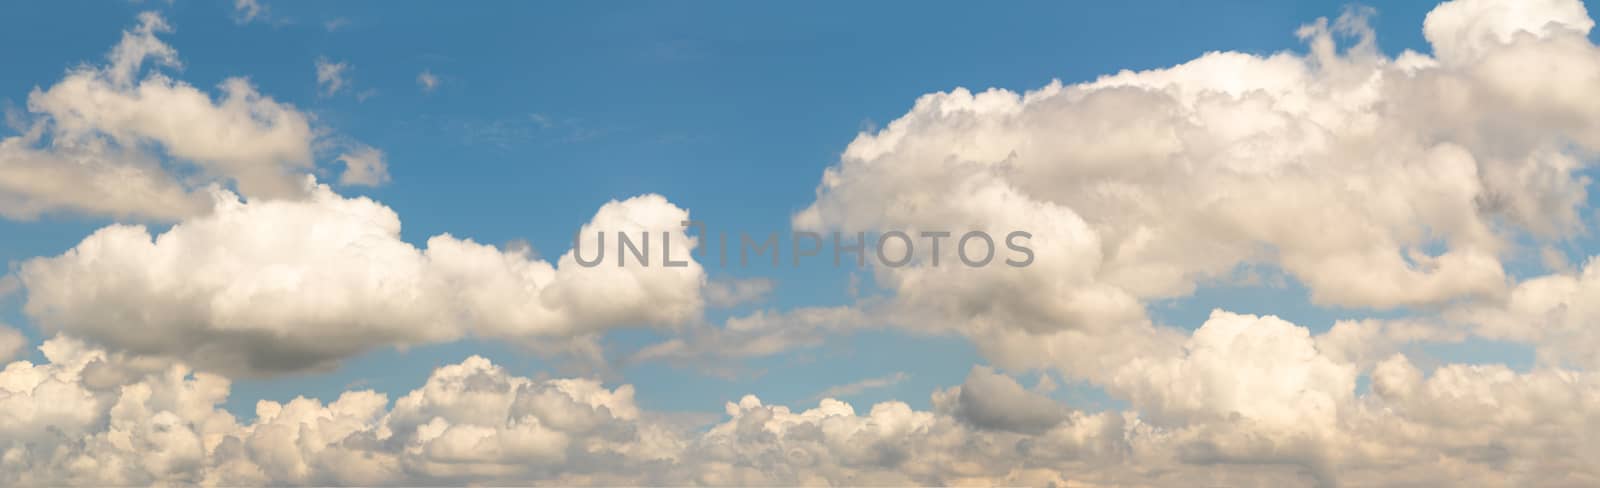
[[87, 417]]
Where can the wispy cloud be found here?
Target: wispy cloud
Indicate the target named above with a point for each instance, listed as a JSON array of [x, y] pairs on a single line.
[[428, 81], [247, 11], [856, 388], [517, 130], [331, 76], [733, 292], [253, 11]]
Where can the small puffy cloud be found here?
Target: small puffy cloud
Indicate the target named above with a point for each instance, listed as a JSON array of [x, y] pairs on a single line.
[[331, 76], [269, 286], [243, 135], [364, 166], [428, 81]]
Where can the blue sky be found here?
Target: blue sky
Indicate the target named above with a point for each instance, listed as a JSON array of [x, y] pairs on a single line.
[[1419, 216], [731, 109]]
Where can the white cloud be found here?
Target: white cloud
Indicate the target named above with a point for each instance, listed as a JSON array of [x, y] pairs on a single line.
[[364, 166], [278, 285], [106, 141], [243, 135], [1261, 369], [1255, 161], [1555, 313], [1376, 182], [473, 422], [250, 138], [88, 417], [470, 421], [1466, 31]]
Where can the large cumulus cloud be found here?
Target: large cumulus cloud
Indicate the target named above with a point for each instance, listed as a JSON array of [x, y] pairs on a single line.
[[1395, 183], [282, 285], [1375, 181]]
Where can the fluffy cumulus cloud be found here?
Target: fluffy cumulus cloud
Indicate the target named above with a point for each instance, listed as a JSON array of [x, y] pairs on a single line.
[[282, 285], [71, 422], [266, 271], [1378, 182], [1554, 313], [121, 140], [1375, 181]]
